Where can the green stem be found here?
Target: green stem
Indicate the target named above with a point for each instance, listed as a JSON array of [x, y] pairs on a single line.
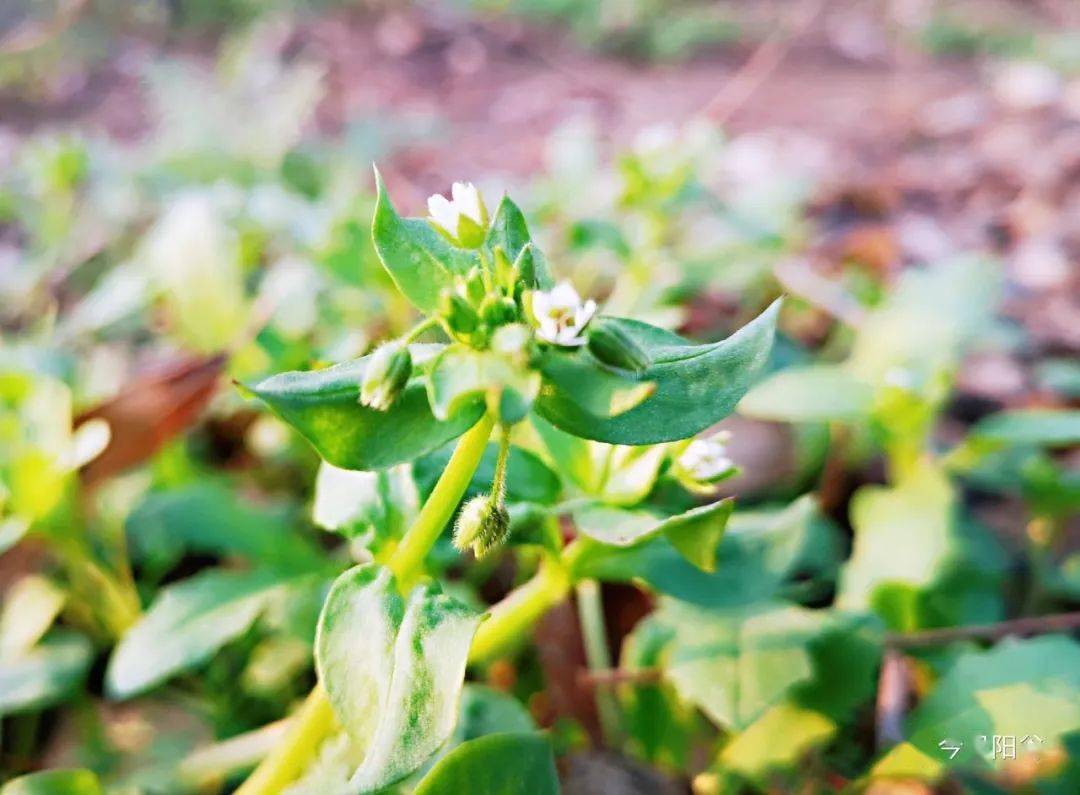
[[315, 720], [307, 729], [408, 559], [591, 616], [420, 328], [508, 621]]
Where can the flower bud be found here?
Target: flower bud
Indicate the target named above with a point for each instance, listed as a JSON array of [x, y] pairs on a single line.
[[459, 313], [482, 525], [475, 289], [610, 344], [497, 310], [387, 373]]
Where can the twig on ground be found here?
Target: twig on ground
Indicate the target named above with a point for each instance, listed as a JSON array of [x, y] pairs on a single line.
[[1031, 625]]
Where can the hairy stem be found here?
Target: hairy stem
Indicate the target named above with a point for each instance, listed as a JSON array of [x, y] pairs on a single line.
[[408, 559], [315, 720]]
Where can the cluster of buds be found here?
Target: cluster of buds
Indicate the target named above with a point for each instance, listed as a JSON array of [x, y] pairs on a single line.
[[492, 299]]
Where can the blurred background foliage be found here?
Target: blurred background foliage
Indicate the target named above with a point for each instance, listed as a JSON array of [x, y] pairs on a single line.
[[185, 200]]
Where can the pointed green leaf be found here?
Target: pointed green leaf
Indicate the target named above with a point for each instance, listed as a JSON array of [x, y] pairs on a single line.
[[186, 625], [497, 764], [323, 405], [393, 670], [1031, 427], [509, 232], [420, 260], [45, 675], [696, 386]]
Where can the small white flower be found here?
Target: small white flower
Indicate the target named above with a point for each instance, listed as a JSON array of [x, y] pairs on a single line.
[[706, 460], [562, 315], [464, 202]]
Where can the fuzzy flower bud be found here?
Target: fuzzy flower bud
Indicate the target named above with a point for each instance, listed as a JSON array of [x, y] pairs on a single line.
[[610, 344], [387, 373], [497, 310], [482, 525]]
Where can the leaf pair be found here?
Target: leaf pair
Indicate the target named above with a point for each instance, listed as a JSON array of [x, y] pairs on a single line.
[[393, 670]]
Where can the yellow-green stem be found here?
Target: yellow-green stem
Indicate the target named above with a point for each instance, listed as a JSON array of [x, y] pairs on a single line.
[[508, 621], [408, 559], [590, 608], [307, 729]]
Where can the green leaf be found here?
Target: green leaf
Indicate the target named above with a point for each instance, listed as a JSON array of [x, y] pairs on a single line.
[[485, 710], [903, 537], [812, 393], [776, 740], [695, 534], [208, 518], [1042, 427], [509, 232], [186, 625], [498, 764], [756, 558], [54, 782], [419, 260], [323, 405], [696, 386], [45, 675], [734, 664], [393, 670], [1020, 688], [382, 503], [573, 455], [461, 376]]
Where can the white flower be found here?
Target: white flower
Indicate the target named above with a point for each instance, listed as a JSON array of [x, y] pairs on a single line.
[[706, 460], [465, 202], [562, 315]]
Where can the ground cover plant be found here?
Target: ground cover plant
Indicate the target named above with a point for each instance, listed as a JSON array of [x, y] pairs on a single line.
[[631, 479]]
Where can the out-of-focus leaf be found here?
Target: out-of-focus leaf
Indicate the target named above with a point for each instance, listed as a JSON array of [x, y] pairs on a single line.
[[420, 261], [695, 533], [660, 725], [383, 503], [154, 408], [393, 670], [186, 625], [195, 261], [30, 607], [573, 455], [208, 518], [696, 386], [485, 710], [776, 740], [755, 560], [811, 393], [498, 764], [734, 664], [903, 537], [631, 472], [1042, 427], [1025, 689], [54, 782], [45, 675], [324, 406]]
